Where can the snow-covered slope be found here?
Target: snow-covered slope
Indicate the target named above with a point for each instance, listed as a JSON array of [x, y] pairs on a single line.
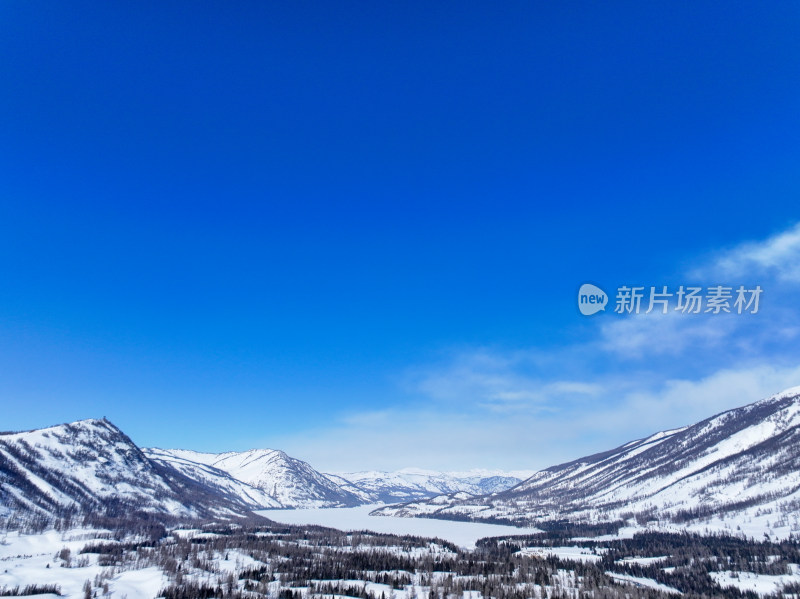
[[92, 467], [741, 465], [743, 462], [412, 484], [283, 480], [222, 482], [288, 482]]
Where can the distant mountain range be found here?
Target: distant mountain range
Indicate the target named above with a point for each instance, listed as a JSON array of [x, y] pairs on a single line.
[[92, 467], [292, 483], [412, 483], [743, 464], [269, 478]]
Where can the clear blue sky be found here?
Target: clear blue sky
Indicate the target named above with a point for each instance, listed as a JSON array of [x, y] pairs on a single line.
[[340, 228]]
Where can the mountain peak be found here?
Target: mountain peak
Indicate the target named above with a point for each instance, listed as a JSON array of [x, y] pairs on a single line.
[[791, 392], [88, 466]]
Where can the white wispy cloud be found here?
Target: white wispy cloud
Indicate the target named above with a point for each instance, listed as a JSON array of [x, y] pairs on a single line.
[[497, 380], [641, 335], [440, 437], [777, 256], [678, 402], [773, 263], [629, 377]]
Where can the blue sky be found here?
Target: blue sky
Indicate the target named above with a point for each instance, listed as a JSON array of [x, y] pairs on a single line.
[[356, 231]]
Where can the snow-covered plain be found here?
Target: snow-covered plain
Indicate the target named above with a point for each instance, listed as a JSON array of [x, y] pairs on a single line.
[[575, 553], [647, 583], [763, 584], [463, 534], [31, 559]]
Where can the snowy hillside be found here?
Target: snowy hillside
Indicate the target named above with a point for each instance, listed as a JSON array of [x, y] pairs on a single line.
[[739, 469], [214, 478], [270, 478], [279, 479], [91, 466], [743, 463]]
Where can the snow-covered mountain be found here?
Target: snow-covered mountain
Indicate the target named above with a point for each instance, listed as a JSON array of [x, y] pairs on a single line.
[[741, 465], [268, 477], [744, 463], [92, 467], [214, 478], [411, 484]]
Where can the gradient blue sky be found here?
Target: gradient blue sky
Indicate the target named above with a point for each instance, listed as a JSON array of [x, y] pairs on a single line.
[[355, 230]]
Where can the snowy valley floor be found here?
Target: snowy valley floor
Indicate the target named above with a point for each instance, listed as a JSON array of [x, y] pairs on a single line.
[[463, 534], [284, 561]]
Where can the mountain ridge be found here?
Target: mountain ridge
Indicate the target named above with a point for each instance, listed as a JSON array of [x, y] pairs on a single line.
[[740, 463], [294, 483], [91, 467]]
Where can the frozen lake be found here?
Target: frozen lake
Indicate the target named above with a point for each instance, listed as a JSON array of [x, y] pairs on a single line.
[[463, 534]]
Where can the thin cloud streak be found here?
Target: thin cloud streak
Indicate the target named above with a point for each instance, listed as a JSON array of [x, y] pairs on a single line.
[[776, 257], [434, 437]]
